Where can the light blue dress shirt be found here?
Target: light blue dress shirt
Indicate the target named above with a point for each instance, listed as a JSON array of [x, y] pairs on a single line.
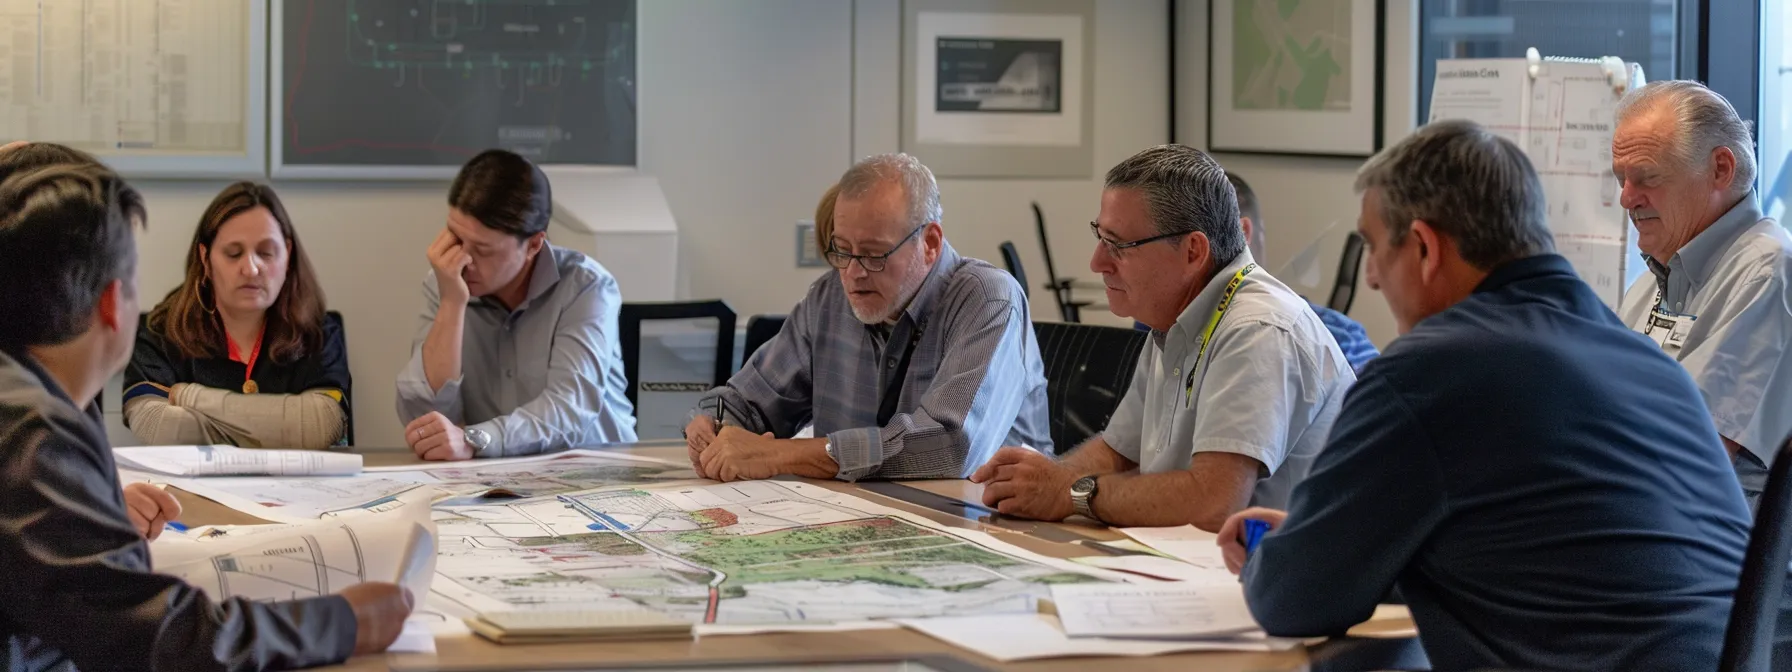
[[545, 376], [1732, 279], [974, 383]]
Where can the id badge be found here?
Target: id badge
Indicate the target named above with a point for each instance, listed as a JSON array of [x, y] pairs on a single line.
[[1668, 330]]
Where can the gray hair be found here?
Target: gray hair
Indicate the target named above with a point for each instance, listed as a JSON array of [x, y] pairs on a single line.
[[917, 183], [1475, 187], [1705, 120], [1185, 191]]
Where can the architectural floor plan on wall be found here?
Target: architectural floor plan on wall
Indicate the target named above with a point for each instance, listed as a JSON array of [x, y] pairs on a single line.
[[750, 555]]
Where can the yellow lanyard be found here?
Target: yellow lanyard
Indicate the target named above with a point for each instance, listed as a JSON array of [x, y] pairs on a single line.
[[1213, 322]]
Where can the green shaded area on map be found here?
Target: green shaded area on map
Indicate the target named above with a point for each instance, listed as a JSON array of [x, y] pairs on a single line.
[[1292, 56]]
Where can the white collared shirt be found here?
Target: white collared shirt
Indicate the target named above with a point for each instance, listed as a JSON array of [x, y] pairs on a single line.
[[1729, 285], [1269, 387]]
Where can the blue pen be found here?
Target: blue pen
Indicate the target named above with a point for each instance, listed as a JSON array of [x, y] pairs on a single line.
[[177, 527], [1253, 534]]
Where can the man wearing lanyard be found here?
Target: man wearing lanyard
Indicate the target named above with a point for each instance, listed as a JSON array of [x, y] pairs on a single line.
[[1237, 390], [1717, 296], [910, 360]]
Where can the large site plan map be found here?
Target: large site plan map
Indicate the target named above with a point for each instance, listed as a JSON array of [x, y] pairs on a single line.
[[742, 553]]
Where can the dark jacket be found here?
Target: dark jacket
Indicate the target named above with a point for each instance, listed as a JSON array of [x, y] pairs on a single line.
[[78, 591]]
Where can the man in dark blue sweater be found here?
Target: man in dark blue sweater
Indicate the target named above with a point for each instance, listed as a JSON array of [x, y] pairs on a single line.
[[1543, 485]]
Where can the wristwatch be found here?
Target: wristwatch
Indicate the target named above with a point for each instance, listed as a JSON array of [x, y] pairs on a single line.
[[1082, 497], [478, 439]]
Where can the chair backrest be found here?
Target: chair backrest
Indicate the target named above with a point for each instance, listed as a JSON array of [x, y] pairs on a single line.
[[1045, 244], [633, 314], [1011, 257], [348, 395], [760, 330], [1748, 643], [1087, 371], [1344, 288]]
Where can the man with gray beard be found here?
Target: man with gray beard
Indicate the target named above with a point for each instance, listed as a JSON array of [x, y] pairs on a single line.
[[910, 360]]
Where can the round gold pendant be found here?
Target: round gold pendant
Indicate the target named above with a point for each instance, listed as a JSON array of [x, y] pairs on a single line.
[[249, 387]]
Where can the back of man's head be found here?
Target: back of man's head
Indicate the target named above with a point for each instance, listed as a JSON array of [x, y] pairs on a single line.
[[1185, 191], [1703, 122], [1248, 209], [34, 155], [1474, 187], [65, 235]]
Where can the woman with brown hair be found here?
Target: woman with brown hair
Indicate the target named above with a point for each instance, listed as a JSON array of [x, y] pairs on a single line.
[[242, 352]]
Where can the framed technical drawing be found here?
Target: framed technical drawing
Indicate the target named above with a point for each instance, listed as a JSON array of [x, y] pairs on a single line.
[[999, 88], [1294, 77]]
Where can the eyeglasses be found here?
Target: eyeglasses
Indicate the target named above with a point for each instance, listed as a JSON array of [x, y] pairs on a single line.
[[874, 263], [1114, 247]]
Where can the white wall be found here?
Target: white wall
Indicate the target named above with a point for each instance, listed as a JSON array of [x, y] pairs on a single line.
[[1301, 196], [1131, 113]]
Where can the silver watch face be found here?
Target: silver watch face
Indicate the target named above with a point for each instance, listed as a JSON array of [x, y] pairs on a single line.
[[477, 438], [1083, 486]]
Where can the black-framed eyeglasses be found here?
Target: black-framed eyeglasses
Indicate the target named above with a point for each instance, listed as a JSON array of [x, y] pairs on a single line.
[[874, 263], [1114, 247]]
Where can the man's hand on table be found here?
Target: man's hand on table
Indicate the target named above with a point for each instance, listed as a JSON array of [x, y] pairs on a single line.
[[697, 436], [433, 437], [1231, 534], [1025, 483], [150, 508], [736, 454], [380, 610]]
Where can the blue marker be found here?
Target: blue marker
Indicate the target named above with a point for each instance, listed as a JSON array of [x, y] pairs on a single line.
[[177, 527], [1253, 533]]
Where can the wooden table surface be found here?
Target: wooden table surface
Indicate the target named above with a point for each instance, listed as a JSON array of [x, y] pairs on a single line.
[[1050, 539]]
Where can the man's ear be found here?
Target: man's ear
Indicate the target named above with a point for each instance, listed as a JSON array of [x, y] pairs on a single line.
[[534, 244], [1430, 249], [933, 241], [1244, 222], [1197, 250], [109, 310], [1723, 168]]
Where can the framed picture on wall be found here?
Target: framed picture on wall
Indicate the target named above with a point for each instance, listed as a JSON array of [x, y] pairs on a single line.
[[999, 88], [1295, 77]]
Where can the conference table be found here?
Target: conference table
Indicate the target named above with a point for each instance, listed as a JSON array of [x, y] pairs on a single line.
[[951, 503]]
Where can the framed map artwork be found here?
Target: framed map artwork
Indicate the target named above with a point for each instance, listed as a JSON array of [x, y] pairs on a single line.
[[1298, 77]]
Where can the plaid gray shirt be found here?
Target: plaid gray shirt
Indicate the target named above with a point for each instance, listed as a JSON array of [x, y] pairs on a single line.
[[975, 380]]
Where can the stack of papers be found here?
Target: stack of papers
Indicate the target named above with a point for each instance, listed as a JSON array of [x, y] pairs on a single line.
[[1186, 543], [1008, 638], [1114, 620], [233, 461], [1163, 611]]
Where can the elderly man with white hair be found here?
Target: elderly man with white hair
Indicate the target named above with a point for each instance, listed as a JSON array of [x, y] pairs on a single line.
[[1717, 298], [910, 360]]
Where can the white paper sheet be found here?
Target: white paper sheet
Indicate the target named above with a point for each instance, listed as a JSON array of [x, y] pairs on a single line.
[[1158, 568], [1490, 91], [1178, 611], [1186, 543], [298, 560], [233, 461], [1012, 637], [417, 637]]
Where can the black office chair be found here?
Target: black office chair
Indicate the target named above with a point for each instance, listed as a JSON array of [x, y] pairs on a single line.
[[760, 330], [1344, 288], [1068, 307], [633, 314], [1011, 257], [1087, 370], [1748, 642], [348, 397]]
